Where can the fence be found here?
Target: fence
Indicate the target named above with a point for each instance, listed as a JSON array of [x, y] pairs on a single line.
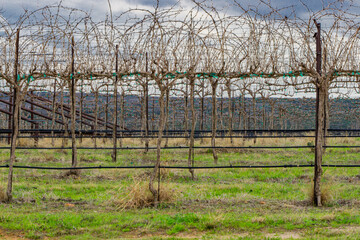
[[144, 65]]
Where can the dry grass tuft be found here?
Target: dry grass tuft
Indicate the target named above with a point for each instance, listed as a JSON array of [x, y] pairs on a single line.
[[328, 217], [138, 195], [25, 142], [72, 173], [177, 142], [326, 193], [258, 219], [3, 197]]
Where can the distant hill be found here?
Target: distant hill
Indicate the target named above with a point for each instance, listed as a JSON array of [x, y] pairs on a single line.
[[276, 113]]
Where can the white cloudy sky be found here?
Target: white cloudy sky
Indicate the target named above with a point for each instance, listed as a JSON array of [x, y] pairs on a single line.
[[11, 9]]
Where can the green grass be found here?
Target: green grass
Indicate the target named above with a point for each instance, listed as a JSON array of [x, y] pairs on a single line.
[[218, 204]]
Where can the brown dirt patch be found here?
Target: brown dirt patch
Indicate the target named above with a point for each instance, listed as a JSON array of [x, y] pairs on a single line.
[[11, 235]]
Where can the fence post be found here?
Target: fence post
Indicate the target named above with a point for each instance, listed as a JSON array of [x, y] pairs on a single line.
[[73, 109], [146, 107], [15, 119], [115, 107], [320, 118]]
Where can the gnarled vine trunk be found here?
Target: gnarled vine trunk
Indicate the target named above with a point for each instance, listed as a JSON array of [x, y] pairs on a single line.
[[193, 122], [156, 170], [213, 122]]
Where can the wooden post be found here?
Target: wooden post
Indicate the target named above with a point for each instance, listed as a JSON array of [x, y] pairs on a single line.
[[15, 120], [214, 85], [193, 123], [115, 107], [161, 126], [146, 108], [73, 109], [320, 117]]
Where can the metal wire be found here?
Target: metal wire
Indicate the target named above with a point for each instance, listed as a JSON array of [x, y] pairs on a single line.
[[181, 167]]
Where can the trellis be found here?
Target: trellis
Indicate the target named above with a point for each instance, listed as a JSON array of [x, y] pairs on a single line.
[[165, 48]]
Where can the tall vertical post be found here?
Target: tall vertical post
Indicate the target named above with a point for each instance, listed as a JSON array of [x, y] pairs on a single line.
[[73, 108], [115, 106], [15, 119], [146, 107], [320, 118]]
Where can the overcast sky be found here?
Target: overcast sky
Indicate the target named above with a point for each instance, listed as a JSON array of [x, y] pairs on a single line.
[[11, 9]]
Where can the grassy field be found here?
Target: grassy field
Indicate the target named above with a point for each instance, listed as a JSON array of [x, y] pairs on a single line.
[[218, 204]]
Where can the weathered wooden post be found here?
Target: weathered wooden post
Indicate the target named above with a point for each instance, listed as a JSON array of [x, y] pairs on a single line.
[[115, 107], [320, 118], [146, 115], [15, 119], [74, 161]]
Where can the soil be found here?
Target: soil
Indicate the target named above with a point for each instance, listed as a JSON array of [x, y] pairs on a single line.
[[11, 235]]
